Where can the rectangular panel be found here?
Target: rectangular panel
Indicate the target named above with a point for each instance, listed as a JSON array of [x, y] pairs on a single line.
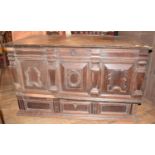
[[74, 76], [73, 106], [139, 85], [35, 105], [139, 79], [95, 78], [116, 108], [34, 74], [117, 78], [112, 108], [53, 76], [15, 70]]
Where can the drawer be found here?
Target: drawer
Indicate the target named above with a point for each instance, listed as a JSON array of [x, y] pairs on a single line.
[[117, 108], [71, 106], [37, 105], [33, 103], [110, 108]]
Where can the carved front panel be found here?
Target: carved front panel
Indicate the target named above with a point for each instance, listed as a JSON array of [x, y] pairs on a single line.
[[74, 76], [117, 78], [34, 74]]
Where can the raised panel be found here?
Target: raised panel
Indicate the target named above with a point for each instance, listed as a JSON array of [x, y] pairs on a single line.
[[117, 78], [139, 84], [15, 70], [139, 79], [53, 76], [37, 105], [74, 76], [102, 108], [34, 74], [34, 103], [116, 108], [95, 78]]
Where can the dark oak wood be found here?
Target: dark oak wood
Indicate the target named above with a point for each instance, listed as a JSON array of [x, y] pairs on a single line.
[[78, 76]]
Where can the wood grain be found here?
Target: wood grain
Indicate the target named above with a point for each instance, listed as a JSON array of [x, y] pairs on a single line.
[[83, 76]]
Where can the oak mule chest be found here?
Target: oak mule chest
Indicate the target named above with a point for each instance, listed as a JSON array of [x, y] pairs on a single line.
[[83, 76]]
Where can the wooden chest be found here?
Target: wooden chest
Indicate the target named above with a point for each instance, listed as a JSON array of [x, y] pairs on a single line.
[[93, 77]]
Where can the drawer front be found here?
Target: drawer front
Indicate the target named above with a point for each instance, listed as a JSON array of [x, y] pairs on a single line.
[[110, 108], [71, 106], [33, 103], [75, 106], [37, 105], [117, 108]]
